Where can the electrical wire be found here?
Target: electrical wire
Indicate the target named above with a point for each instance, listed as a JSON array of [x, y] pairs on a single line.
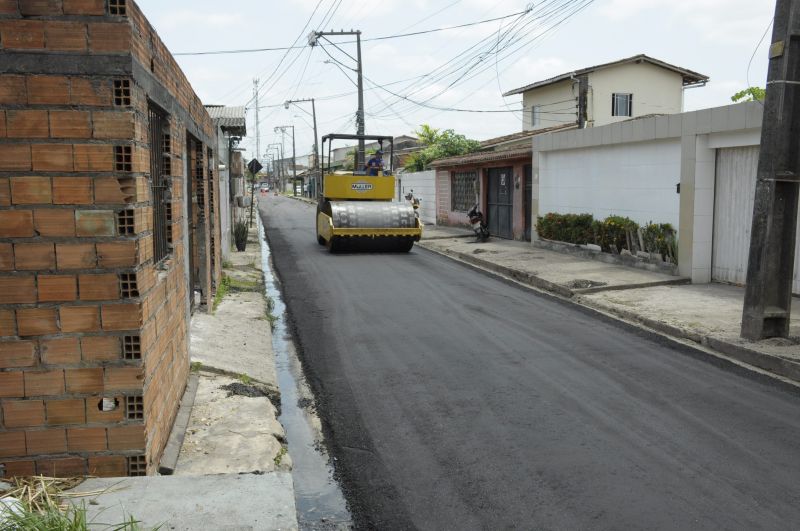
[[382, 38]]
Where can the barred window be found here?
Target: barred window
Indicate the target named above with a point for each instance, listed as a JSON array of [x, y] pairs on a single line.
[[464, 187], [158, 182]]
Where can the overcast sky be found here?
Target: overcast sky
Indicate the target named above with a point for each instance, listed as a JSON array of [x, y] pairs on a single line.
[[714, 37]]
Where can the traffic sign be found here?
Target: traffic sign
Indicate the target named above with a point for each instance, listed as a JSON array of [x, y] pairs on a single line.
[[254, 166]]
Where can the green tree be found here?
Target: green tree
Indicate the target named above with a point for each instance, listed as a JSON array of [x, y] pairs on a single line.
[[427, 135], [750, 94], [438, 145]]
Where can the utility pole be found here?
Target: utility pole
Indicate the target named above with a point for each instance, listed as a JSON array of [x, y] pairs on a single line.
[[316, 140], [276, 147], [283, 129], [768, 295], [313, 39]]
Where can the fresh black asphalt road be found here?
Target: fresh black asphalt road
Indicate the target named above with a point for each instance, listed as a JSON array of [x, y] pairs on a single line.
[[452, 400]]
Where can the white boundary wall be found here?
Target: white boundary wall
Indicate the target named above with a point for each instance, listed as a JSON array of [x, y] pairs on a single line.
[[634, 180], [424, 185], [631, 168]]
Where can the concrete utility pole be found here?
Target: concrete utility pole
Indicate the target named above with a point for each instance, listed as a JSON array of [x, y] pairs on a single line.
[[768, 296], [317, 177], [283, 129], [313, 39], [276, 146]]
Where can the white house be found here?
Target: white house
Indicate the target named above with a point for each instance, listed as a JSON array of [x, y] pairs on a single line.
[[607, 93]]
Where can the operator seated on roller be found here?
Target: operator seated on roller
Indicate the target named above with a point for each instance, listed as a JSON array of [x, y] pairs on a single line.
[[375, 164]]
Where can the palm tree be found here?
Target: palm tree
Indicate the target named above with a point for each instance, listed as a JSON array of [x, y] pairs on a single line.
[[427, 135]]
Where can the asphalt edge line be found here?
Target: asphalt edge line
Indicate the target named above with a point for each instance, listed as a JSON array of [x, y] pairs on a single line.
[[169, 457], [704, 348]]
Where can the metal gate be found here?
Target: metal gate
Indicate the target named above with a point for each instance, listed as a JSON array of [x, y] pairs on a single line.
[[500, 202], [528, 199], [733, 212]]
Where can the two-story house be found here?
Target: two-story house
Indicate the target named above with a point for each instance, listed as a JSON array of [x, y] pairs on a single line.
[[499, 176], [606, 93]]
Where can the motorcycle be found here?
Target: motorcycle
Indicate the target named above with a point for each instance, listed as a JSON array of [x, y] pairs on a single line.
[[478, 224]]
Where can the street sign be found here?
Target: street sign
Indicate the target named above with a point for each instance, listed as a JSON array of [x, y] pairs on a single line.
[[254, 166]]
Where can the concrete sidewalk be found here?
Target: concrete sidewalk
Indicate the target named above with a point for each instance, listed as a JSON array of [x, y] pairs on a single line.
[[707, 314], [227, 449]]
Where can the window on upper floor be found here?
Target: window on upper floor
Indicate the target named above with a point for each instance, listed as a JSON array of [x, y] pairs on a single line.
[[621, 104], [536, 115]]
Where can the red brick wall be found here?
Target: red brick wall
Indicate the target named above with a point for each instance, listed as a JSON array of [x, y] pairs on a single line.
[[85, 313]]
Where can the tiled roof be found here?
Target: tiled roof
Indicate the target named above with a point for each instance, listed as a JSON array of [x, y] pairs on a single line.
[[484, 156], [523, 135]]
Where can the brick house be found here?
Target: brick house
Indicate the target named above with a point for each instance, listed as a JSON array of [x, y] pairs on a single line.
[[498, 177], [108, 228]]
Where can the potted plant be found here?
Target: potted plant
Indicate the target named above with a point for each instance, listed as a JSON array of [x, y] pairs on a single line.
[[240, 235]]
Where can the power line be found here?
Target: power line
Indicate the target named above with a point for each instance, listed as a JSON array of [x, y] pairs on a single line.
[[385, 37]]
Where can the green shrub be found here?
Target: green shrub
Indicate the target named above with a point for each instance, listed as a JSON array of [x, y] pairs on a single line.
[[572, 228], [661, 238], [612, 234], [616, 233]]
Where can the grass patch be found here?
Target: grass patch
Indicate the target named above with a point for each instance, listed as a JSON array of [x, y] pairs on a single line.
[[196, 366], [245, 379], [43, 505], [222, 290], [278, 458], [227, 264], [243, 285]]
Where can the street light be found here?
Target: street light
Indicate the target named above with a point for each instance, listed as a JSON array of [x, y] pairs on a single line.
[[317, 175], [282, 129]]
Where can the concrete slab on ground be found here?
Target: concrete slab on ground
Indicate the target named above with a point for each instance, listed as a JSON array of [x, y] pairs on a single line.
[[556, 272], [227, 501], [438, 232], [230, 433], [237, 337]]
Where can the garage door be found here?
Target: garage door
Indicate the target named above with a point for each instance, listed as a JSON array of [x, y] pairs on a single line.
[[733, 212]]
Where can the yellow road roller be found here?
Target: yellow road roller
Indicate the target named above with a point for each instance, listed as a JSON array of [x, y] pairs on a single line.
[[356, 210]]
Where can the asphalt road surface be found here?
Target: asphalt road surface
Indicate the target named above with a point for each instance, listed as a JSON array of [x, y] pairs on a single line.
[[452, 400]]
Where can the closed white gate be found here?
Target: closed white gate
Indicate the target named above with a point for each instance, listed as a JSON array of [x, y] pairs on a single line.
[[733, 214]]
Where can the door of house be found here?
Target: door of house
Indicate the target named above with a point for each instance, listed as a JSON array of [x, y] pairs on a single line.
[[527, 198], [500, 202]]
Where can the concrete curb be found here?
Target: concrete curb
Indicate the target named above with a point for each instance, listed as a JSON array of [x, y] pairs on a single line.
[[169, 459], [772, 364]]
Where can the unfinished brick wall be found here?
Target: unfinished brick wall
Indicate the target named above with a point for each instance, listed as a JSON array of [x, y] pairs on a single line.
[[93, 330]]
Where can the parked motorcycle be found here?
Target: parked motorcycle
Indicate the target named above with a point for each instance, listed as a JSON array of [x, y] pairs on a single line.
[[478, 224]]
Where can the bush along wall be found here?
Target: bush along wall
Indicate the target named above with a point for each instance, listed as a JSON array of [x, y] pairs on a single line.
[[615, 234]]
